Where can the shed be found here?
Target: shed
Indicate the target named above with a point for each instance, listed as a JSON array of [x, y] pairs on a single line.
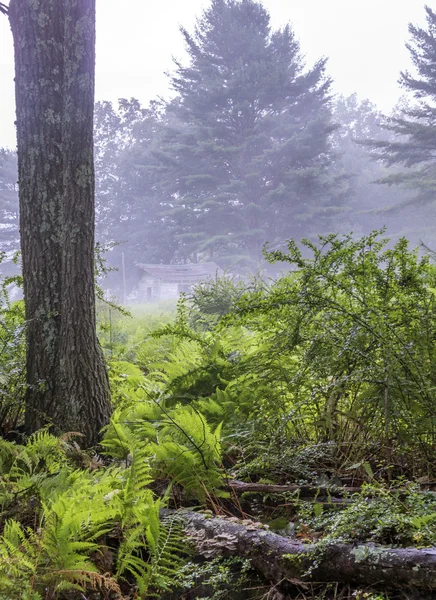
[[167, 282]]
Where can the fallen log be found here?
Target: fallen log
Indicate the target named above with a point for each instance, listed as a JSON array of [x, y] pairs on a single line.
[[280, 559], [304, 491], [307, 491]]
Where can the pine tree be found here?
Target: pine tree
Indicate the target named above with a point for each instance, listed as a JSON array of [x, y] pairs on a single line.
[[414, 146], [246, 154], [369, 206]]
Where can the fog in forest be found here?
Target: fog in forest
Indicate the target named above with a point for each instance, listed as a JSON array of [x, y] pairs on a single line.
[[252, 145]]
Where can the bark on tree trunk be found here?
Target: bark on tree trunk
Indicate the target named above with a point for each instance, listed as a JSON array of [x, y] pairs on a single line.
[[54, 84], [280, 559]]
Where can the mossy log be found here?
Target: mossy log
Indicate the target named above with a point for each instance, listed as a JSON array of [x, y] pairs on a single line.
[[281, 559], [306, 491], [303, 491]]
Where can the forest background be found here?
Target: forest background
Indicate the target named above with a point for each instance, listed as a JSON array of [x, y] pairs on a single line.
[[222, 168]]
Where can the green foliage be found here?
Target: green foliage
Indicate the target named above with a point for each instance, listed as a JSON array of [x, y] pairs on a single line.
[[129, 337], [337, 356], [176, 442], [220, 578], [383, 515], [79, 517], [73, 515], [322, 369], [274, 461], [210, 300], [126, 380], [351, 335], [339, 350]]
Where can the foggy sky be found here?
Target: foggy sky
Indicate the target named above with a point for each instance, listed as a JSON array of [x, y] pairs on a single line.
[[364, 40]]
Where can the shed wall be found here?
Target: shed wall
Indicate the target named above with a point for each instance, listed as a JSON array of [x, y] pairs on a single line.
[[149, 289], [169, 290]]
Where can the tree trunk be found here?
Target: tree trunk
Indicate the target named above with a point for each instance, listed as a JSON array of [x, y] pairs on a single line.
[[280, 559], [54, 84]]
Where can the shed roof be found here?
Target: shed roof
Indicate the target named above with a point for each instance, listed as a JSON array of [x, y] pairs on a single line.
[[190, 273]]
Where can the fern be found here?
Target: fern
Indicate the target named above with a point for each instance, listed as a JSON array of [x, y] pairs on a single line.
[[75, 512], [189, 451], [18, 559], [168, 556], [58, 552], [8, 453], [147, 549], [126, 381], [176, 442], [43, 451]]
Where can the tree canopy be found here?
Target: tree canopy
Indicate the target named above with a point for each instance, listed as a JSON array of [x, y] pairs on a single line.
[[246, 153]]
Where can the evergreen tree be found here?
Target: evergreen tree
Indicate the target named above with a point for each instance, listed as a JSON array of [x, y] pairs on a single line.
[[246, 152], [370, 205], [414, 146]]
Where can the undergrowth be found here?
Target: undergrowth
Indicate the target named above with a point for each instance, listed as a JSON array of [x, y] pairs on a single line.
[[95, 528], [401, 515], [324, 376]]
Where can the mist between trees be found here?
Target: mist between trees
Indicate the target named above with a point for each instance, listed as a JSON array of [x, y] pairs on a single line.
[[253, 147]]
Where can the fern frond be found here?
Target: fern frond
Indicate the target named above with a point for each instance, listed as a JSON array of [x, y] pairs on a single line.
[[76, 579], [169, 554], [176, 442]]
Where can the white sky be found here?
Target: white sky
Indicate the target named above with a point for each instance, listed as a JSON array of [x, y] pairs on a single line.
[[364, 40]]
